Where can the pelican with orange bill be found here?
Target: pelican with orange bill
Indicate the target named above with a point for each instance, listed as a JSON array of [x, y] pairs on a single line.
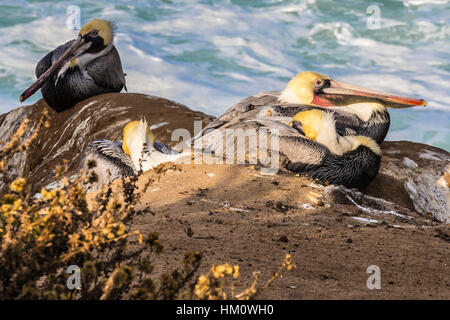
[[357, 110], [84, 67]]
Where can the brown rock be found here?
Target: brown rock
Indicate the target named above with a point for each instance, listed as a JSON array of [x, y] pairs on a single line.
[[99, 117], [331, 243], [413, 177], [414, 174]]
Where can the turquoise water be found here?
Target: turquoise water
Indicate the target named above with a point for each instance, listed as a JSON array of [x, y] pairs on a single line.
[[210, 54]]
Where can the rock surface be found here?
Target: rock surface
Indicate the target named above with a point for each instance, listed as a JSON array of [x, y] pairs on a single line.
[[100, 117], [423, 172], [234, 214], [412, 175]]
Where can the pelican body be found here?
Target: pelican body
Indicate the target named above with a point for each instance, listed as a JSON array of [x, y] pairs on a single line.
[[138, 152], [308, 144], [357, 110], [87, 66], [352, 161], [374, 125]]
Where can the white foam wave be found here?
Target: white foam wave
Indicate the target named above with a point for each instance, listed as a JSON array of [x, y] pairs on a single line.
[[423, 2], [209, 55]]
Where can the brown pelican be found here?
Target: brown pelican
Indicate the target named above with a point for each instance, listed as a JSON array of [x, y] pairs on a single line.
[[357, 110], [307, 144], [138, 152], [352, 161], [87, 66]]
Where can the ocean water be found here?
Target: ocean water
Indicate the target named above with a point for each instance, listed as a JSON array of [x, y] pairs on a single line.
[[210, 54]]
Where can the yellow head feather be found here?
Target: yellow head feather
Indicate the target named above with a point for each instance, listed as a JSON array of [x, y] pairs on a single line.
[[103, 27], [303, 86], [128, 132], [311, 121]]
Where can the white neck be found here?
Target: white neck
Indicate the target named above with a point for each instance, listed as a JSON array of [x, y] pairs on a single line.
[[338, 144], [139, 145], [363, 110], [81, 61], [142, 152], [330, 138], [85, 58], [289, 96]]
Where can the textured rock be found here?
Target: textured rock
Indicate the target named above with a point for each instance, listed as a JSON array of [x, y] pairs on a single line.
[[424, 173], [413, 177], [233, 213], [237, 215], [100, 117]]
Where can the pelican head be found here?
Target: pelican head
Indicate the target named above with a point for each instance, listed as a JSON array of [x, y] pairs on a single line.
[[137, 138], [319, 125], [99, 33], [94, 39], [309, 123], [135, 134], [315, 89], [140, 145]]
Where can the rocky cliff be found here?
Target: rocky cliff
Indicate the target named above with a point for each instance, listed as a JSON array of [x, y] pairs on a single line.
[[412, 176], [100, 117], [234, 214]]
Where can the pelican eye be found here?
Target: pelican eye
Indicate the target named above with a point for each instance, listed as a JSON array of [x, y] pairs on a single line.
[[94, 33], [321, 84], [318, 83], [297, 125]]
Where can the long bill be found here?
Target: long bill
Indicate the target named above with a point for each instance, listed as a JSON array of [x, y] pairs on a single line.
[[339, 91], [78, 47]]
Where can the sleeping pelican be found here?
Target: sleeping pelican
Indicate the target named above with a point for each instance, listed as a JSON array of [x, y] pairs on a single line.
[[357, 110], [307, 144], [87, 66], [352, 161], [138, 152]]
